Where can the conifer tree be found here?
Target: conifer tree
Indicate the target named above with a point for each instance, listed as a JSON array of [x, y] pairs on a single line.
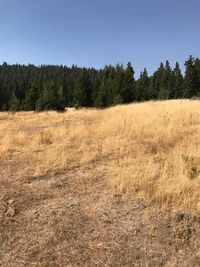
[[101, 99], [197, 67], [32, 95], [178, 86], [191, 79], [50, 99], [108, 91], [142, 87], [83, 90], [165, 81], [14, 103], [128, 86], [156, 82]]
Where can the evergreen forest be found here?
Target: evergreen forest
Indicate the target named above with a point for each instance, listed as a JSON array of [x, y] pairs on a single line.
[[54, 87]]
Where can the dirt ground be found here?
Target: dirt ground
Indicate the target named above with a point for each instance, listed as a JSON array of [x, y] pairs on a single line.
[[73, 219]]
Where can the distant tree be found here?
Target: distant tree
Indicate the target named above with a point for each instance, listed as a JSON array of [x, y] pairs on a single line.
[[69, 91], [142, 91], [128, 86], [107, 88], [168, 79], [162, 82], [60, 98], [14, 103], [101, 99], [117, 100], [178, 84], [32, 95], [51, 99], [165, 81], [197, 67], [83, 90], [192, 85], [156, 82], [95, 90]]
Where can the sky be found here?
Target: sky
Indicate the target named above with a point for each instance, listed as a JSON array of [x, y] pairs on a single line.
[[95, 33]]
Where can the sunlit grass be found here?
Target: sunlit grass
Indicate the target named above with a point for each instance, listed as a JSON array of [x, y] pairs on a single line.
[[150, 149]]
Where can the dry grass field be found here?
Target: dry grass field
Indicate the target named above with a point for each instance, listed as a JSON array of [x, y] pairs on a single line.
[[114, 187]]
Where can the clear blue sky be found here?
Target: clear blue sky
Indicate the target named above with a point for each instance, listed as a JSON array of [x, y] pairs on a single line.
[[94, 33]]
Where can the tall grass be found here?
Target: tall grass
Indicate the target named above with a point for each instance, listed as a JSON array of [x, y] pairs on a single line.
[[151, 150]]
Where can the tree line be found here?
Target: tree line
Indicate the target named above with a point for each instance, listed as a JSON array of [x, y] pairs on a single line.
[[48, 87]]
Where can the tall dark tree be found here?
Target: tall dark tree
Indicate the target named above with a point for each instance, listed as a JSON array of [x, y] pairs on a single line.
[[156, 81], [142, 91], [128, 86], [192, 86], [101, 99], [109, 94], [83, 90], [14, 103], [32, 96], [197, 67], [165, 81], [50, 99], [178, 84]]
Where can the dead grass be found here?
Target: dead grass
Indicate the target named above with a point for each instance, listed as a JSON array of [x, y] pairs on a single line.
[[151, 149], [114, 187]]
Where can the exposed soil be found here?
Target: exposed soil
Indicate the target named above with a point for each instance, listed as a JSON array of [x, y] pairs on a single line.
[[72, 218]]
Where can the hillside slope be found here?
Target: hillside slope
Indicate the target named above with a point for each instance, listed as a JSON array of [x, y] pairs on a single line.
[[114, 187]]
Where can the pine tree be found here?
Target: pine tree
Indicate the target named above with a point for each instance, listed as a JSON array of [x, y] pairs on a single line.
[[95, 90], [101, 99], [32, 95], [108, 94], [14, 103], [83, 90], [168, 79], [142, 87], [197, 67], [165, 81], [178, 86], [128, 87], [60, 99], [50, 99], [191, 79], [156, 82]]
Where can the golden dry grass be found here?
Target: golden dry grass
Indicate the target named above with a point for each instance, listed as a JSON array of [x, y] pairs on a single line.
[[114, 187], [151, 149]]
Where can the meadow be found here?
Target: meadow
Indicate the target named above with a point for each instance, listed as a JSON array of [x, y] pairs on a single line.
[[147, 154], [151, 149]]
